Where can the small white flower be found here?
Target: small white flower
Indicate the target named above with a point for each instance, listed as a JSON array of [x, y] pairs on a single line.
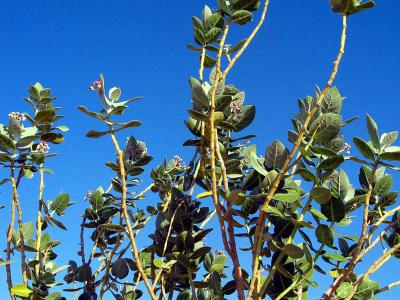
[[43, 147], [17, 116], [226, 48]]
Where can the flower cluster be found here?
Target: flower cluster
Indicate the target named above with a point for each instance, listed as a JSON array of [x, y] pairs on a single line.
[[347, 148], [134, 149], [236, 110], [17, 116], [43, 147], [226, 48], [177, 163], [96, 86]]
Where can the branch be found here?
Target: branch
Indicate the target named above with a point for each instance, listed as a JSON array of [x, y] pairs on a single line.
[[374, 267], [126, 217], [262, 217], [353, 262]]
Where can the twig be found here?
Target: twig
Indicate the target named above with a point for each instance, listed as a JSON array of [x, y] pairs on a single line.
[[354, 260]]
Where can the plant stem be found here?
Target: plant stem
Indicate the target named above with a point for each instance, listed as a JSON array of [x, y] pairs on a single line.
[[353, 262], [201, 70], [213, 140], [39, 266], [262, 217], [15, 197], [231, 228], [248, 41], [373, 268], [8, 250], [126, 216]]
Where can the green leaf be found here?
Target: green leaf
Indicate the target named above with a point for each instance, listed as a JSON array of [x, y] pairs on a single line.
[[197, 115], [321, 194], [214, 20], [158, 263], [256, 165], [276, 155], [248, 115], [327, 126], [59, 204], [213, 34], [250, 5], [334, 210], [199, 96], [373, 132], [366, 289], [307, 175], [26, 141], [96, 199], [289, 197], [241, 17], [96, 134], [113, 227], [45, 116], [120, 269], [335, 256], [391, 153], [344, 290], [293, 251], [387, 199], [331, 163], [383, 185], [91, 114], [364, 148], [387, 139], [318, 214], [27, 230], [218, 264], [332, 102], [324, 235], [237, 46], [341, 185], [21, 290], [6, 142]]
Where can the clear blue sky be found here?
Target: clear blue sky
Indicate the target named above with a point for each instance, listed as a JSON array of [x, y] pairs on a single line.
[[141, 47]]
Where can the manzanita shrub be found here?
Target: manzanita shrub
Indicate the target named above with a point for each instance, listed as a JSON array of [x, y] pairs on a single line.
[[285, 205]]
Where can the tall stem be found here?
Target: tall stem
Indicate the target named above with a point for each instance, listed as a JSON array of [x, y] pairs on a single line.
[[213, 140], [126, 216], [262, 217], [8, 250], [39, 266], [15, 197]]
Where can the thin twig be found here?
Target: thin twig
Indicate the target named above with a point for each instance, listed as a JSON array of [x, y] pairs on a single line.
[[361, 241]]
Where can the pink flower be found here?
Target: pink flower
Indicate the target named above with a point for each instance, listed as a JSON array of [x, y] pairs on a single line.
[[96, 86], [17, 116]]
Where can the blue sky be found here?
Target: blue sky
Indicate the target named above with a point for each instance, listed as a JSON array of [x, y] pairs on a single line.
[[140, 46]]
